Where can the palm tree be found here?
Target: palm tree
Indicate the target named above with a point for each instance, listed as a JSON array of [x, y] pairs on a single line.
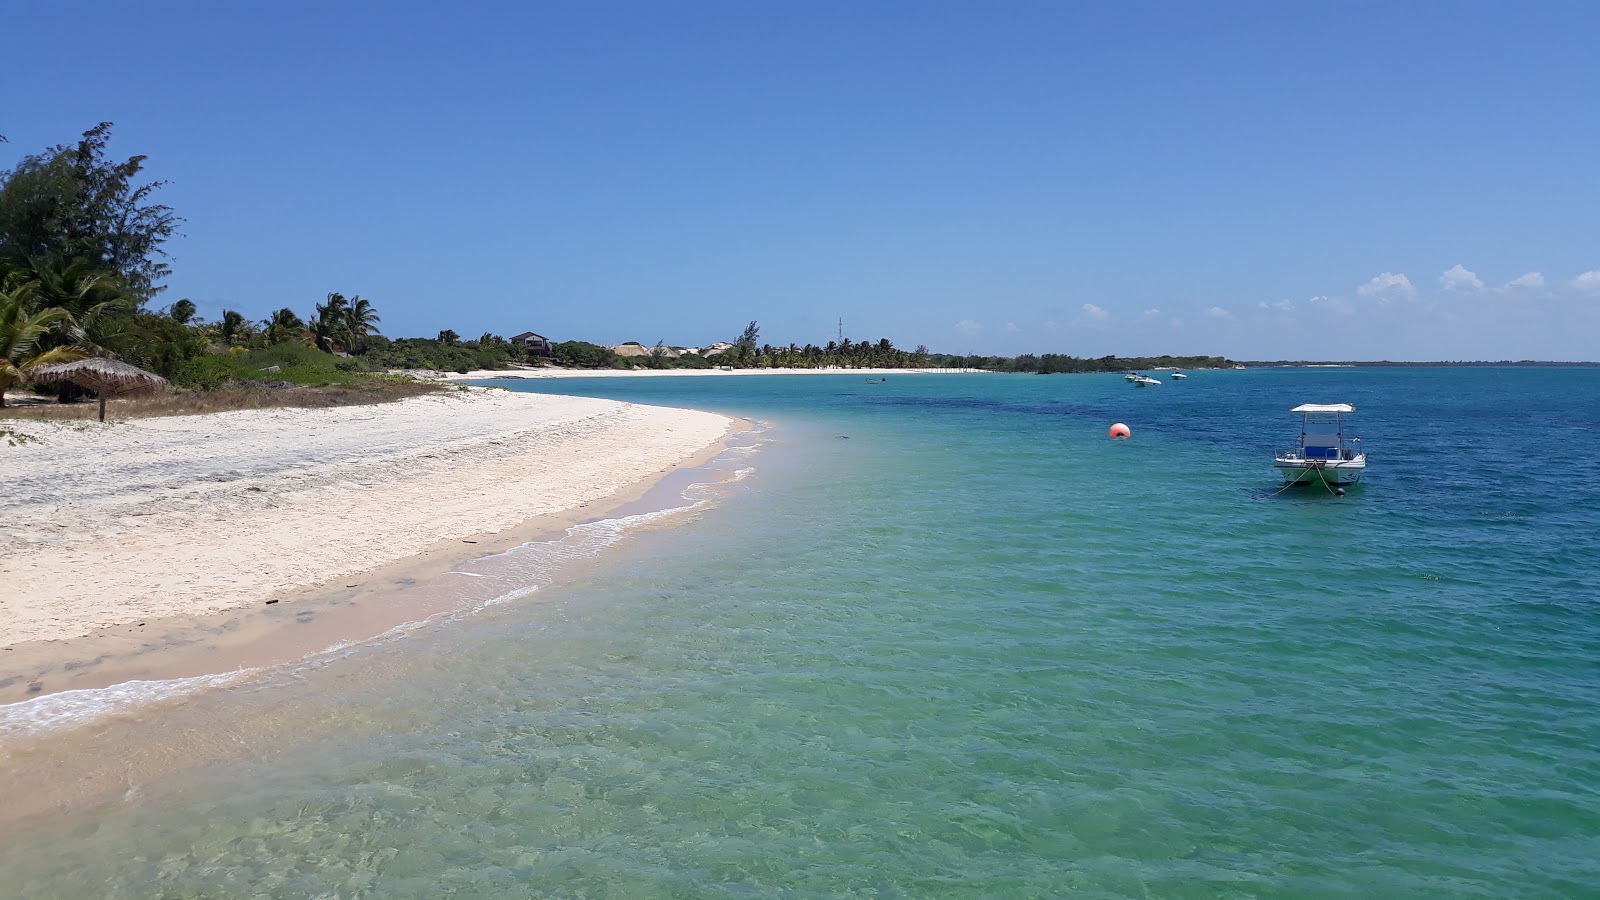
[[89, 298], [361, 320], [234, 327], [283, 325], [658, 356], [20, 332], [183, 312], [332, 327]]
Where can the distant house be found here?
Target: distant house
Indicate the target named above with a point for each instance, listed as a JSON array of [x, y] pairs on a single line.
[[536, 343], [718, 347]]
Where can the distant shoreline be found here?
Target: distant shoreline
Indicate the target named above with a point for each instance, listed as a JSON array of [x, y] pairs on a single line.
[[1387, 363], [556, 372], [559, 372]]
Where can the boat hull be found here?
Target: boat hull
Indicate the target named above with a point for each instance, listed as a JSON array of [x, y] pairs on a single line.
[[1333, 473]]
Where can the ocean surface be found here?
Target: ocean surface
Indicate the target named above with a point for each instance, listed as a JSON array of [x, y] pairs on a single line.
[[945, 639]]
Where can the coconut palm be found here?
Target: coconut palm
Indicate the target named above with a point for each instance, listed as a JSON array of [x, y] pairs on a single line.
[[20, 331], [89, 298], [283, 325], [234, 327], [183, 312], [361, 320], [331, 329]]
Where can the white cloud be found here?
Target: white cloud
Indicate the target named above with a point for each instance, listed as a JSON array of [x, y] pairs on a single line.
[[1095, 313], [1528, 280], [967, 326], [1217, 312], [1050, 324], [1387, 284], [1459, 278], [1588, 281], [1337, 304], [1150, 314], [1011, 328], [1281, 305]]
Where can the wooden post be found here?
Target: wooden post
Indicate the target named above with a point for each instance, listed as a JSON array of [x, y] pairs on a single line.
[[102, 405]]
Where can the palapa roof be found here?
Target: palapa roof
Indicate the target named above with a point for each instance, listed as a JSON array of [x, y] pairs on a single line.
[[100, 374]]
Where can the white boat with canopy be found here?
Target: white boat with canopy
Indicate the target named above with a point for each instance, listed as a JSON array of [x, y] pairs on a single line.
[[1323, 455]]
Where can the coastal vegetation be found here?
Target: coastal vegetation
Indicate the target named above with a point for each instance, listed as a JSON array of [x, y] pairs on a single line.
[[1055, 363], [83, 257]]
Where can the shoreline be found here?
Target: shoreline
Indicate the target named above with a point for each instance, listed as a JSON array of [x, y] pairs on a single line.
[[557, 372], [317, 510]]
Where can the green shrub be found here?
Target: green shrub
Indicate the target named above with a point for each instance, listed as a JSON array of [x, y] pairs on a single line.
[[294, 362]]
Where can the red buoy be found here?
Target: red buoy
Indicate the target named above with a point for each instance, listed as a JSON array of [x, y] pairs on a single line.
[[1120, 430]]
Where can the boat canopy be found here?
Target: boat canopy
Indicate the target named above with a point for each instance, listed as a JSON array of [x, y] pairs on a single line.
[[1324, 408]]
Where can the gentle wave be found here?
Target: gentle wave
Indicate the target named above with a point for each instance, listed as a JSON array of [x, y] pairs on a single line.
[[31, 717], [534, 565]]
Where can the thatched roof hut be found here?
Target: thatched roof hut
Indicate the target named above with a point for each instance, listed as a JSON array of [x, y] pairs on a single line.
[[106, 377]]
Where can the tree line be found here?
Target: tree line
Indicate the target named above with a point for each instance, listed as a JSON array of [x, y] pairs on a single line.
[[1056, 363], [746, 352], [83, 254]]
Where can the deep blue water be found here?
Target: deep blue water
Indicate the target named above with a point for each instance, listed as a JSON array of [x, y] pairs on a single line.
[[949, 640]]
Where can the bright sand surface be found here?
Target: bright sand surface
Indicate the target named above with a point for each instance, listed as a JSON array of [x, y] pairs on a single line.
[[102, 526]]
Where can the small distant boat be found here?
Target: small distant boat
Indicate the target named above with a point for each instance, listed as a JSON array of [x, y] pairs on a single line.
[[1324, 455], [1179, 375], [1132, 376], [1144, 381]]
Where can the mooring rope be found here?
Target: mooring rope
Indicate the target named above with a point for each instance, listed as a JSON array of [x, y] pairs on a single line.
[[1296, 481], [1324, 480], [1285, 487]]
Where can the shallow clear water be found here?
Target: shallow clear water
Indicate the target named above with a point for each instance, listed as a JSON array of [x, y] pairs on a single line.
[[951, 641]]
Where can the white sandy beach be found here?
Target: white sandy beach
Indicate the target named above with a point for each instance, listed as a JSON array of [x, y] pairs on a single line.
[[109, 525]]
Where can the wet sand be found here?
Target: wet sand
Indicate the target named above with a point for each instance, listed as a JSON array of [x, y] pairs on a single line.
[[302, 623], [183, 546], [213, 689]]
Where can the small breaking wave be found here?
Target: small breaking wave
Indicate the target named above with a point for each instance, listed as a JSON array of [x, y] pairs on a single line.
[[496, 579], [68, 708]]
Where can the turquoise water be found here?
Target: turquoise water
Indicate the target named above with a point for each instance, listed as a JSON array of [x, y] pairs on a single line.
[[950, 641]]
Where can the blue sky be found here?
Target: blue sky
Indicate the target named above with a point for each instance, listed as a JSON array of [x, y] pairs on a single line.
[[1262, 180]]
